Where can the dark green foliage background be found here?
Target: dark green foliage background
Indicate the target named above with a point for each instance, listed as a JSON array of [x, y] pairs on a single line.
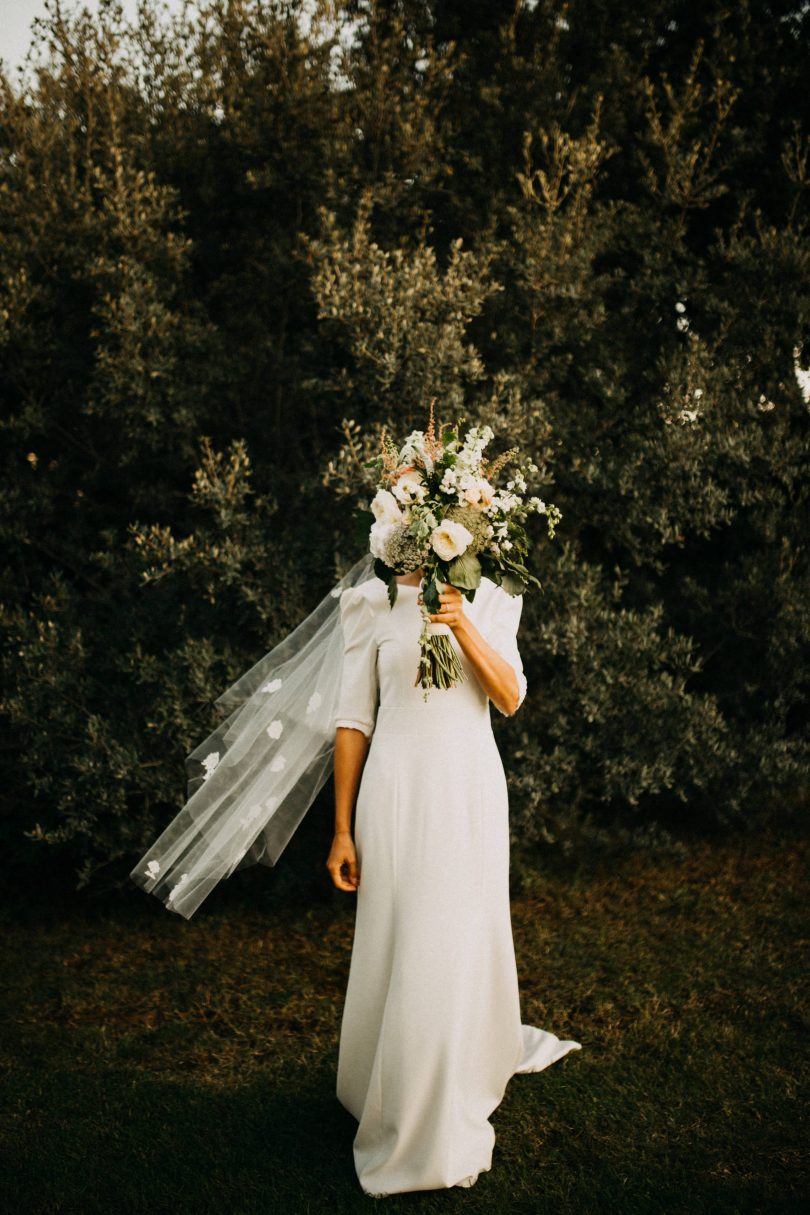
[[221, 236]]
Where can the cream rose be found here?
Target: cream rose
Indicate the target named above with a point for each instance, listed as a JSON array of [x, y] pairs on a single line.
[[450, 539], [386, 508]]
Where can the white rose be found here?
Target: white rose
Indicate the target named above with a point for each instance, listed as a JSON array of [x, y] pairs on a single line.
[[386, 508], [409, 488], [450, 539], [379, 536]]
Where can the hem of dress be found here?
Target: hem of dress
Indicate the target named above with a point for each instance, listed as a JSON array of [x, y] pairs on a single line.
[[465, 1182], [529, 1071]]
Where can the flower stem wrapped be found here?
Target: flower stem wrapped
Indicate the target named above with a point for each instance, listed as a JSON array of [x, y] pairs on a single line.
[[439, 664]]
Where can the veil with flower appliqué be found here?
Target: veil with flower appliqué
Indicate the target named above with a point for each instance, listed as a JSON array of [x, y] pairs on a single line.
[[252, 780]]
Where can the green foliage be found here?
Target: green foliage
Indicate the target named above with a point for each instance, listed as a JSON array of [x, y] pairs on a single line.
[[237, 245], [108, 692], [400, 316]]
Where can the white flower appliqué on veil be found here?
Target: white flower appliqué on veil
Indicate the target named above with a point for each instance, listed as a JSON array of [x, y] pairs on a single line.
[[251, 816], [179, 886], [209, 763]]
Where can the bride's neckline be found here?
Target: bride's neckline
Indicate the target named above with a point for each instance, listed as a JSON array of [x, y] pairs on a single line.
[[411, 586]]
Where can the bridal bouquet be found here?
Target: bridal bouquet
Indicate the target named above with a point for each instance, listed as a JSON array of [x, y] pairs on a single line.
[[438, 507]]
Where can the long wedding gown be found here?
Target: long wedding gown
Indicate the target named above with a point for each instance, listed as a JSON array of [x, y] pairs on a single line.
[[431, 1029]]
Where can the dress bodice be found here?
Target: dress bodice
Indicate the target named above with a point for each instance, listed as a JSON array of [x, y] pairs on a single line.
[[381, 660]]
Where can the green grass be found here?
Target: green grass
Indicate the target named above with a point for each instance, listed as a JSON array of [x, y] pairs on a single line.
[[152, 1064]]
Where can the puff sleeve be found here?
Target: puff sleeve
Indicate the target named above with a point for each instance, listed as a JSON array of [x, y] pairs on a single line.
[[357, 700], [504, 618]]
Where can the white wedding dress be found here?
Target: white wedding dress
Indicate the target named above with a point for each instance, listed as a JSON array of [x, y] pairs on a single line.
[[431, 1029]]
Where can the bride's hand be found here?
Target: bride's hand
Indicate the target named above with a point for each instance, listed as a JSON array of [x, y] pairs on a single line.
[[451, 611], [342, 862]]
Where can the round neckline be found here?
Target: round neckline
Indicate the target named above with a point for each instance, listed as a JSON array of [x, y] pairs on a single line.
[[410, 586]]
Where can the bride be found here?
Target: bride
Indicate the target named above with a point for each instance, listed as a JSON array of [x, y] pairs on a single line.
[[431, 1029]]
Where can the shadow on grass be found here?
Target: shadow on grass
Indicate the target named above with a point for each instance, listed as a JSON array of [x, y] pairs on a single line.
[[117, 1141], [120, 1142]]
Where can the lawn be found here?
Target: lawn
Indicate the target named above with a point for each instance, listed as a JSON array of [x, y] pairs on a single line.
[[156, 1064]]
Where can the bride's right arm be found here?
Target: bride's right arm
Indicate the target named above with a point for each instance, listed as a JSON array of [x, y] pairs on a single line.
[[351, 748], [356, 713]]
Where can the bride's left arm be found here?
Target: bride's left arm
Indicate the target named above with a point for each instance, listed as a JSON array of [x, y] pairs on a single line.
[[496, 676]]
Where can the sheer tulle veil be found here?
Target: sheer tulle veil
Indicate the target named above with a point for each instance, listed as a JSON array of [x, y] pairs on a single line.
[[250, 783]]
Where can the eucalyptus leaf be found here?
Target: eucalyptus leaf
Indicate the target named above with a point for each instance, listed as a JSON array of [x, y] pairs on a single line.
[[512, 583], [383, 571], [430, 594], [465, 572]]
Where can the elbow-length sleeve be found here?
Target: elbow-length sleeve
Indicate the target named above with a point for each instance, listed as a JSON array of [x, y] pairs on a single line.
[[502, 635], [357, 700]]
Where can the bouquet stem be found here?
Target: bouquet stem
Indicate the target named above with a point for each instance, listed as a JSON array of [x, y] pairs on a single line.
[[439, 664]]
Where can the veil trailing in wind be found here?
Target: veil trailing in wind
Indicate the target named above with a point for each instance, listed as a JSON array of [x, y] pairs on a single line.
[[250, 783]]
